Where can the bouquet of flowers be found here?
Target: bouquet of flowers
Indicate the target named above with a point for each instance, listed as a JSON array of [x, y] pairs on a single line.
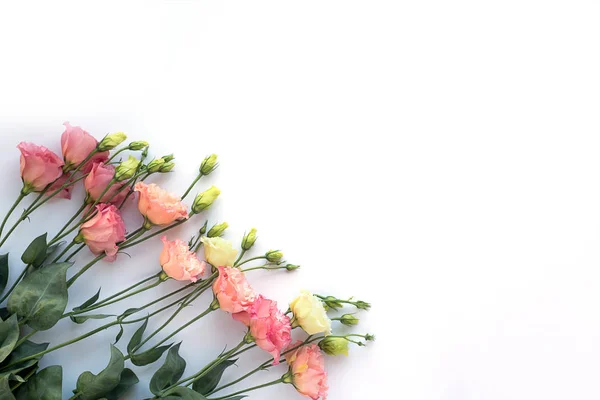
[[37, 296]]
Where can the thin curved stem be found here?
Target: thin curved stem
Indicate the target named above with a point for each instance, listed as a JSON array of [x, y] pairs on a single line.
[[189, 189], [10, 211], [75, 252], [89, 265], [251, 259], [264, 385], [182, 327]]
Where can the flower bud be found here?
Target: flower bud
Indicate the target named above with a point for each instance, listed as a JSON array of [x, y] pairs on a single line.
[[166, 167], [217, 230], [349, 320], [111, 141], [291, 267], [362, 305], [137, 146], [127, 168], [208, 165], [249, 239], [332, 303], [274, 256], [203, 229], [205, 199], [168, 157], [369, 337], [154, 165], [145, 153], [334, 346]]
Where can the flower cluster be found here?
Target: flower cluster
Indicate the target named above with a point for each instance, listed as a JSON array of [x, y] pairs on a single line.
[[37, 298]]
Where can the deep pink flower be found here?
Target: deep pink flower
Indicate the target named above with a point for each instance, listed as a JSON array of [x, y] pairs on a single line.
[[308, 371], [98, 179], [39, 166], [179, 262], [104, 230], [77, 144]]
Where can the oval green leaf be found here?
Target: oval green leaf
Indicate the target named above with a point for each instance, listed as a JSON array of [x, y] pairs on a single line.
[[169, 372]]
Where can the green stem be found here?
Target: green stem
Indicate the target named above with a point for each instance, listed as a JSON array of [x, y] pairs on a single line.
[[21, 275], [116, 153], [127, 289], [155, 233], [10, 211], [191, 186], [264, 385], [75, 252], [62, 253], [235, 264], [24, 338], [182, 327], [89, 265], [265, 266], [251, 259], [25, 378]]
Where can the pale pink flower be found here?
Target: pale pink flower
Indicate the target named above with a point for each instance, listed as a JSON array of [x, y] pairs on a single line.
[[104, 230], [233, 290], [307, 368], [77, 144], [98, 179], [39, 166], [159, 206], [65, 193], [179, 262]]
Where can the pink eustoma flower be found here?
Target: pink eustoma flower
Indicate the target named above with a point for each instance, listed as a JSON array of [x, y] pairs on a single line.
[[307, 369], [103, 231], [64, 193], [233, 290], [39, 166], [270, 328], [159, 206], [77, 144], [179, 262], [98, 179]]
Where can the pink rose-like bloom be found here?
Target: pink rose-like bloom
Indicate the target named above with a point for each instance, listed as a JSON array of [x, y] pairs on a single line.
[[98, 179], [39, 166], [103, 231], [159, 206], [77, 144], [179, 262], [65, 193], [233, 290], [270, 328], [308, 371]]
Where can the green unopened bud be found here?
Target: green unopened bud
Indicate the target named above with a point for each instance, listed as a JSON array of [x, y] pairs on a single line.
[[155, 165], [362, 305], [137, 146], [291, 267], [208, 165], [145, 153], [249, 239], [349, 320], [203, 229], [274, 256], [166, 167], [111, 141], [205, 199], [334, 346], [369, 337], [332, 302], [127, 168], [217, 230], [168, 157]]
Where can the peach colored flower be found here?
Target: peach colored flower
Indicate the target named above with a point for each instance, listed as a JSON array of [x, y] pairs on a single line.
[[65, 193], [103, 231], [270, 328], [39, 166], [159, 206], [307, 368], [77, 144], [233, 290], [98, 179], [179, 262]]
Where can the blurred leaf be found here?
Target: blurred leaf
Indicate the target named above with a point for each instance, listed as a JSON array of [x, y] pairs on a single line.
[[92, 387], [136, 339], [3, 272], [45, 385], [25, 349], [209, 382], [149, 356], [169, 372], [5, 393], [80, 319], [9, 334], [88, 302], [35, 253], [119, 334], [128, 379]]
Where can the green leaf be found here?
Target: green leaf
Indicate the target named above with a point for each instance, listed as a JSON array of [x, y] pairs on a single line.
[[92, 387], [149, 356], [52, 250], [80, 319], [128, 312], [35, 254], [45, 385], [169, 372], [41, 297], [209, 382], [3, 271], [119, 334], [9, 334], [128, 379], [25, 349], [88, 302], [136, 339], [182, 392], [5, 393]]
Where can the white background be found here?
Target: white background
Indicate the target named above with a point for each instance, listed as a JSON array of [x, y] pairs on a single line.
[[440, 159]]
